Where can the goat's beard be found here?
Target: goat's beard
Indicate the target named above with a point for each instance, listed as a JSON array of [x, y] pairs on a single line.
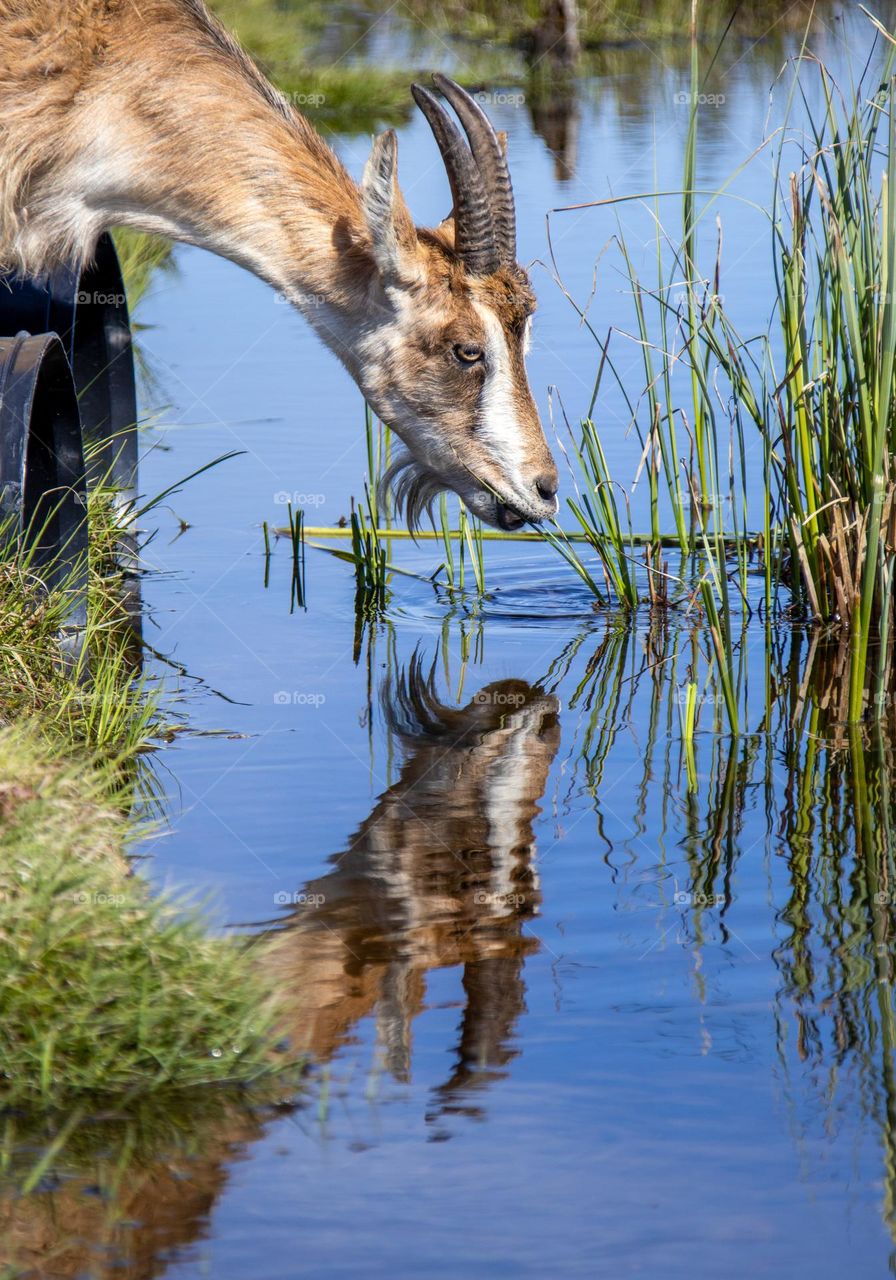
[[413, 489]]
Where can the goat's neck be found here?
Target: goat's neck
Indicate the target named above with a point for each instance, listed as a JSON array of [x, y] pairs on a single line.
[[211, 155], [258, 194]]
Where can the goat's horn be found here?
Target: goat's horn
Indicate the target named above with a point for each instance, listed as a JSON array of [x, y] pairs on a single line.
[[491, 161], [474, 227]]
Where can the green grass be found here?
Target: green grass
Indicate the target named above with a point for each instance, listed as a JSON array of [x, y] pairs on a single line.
[[337, 94], [106, 990], [140, 255], [84, 692]]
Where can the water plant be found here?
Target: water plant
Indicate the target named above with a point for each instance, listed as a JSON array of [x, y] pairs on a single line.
[[297, 547], [818, 387]]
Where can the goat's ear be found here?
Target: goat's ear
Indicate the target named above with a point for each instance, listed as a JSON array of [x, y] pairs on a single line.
[[390, 226]]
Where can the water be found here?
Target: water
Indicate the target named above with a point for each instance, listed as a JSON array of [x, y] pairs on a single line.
[[566, 1017]]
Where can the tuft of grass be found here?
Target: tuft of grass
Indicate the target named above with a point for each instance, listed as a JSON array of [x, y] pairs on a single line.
[[78, 687], [596, 511], [105, 989], [836, 398]]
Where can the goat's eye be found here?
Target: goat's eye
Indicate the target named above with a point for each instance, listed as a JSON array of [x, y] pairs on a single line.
[[468, 352]]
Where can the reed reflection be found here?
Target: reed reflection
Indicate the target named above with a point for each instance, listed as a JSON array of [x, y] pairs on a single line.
[[795, 816]]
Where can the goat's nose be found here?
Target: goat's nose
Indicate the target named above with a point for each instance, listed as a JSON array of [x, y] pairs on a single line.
[[547, 485]]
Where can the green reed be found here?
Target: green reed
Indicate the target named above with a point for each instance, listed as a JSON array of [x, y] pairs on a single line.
[[369, 556], [470, 549], [596, 508], [371, 529], [823, 397], [819, 387], [297, 548], [677, 325]]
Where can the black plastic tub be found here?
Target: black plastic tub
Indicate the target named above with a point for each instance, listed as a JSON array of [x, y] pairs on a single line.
[[89, 312], [43, 498]]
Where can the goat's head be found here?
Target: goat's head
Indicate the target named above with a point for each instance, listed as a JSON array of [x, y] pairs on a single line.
[[442, 359]]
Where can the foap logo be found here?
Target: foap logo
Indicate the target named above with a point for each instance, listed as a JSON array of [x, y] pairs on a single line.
[[306, 99], [284, 899], [283, 498], [684, 899], [708, 501], [495, 698], [84, 899], [680, 296], [298, 698], [84, 298], [299, 298], [701, 699], [482, 898], [500, 98], [699, 99]]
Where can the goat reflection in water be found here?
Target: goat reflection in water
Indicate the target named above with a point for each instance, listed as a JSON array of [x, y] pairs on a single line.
[[440, 874]]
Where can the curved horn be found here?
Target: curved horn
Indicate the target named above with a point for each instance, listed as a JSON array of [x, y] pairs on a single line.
[[491, 161], [474, 228]]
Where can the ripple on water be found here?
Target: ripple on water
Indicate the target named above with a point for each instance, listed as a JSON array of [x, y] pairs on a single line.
[[529, 589]]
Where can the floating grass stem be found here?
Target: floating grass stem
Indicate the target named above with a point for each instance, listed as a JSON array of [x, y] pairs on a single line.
[[297, 549]]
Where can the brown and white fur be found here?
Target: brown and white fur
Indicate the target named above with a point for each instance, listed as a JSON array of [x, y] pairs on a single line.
[[146, 113]]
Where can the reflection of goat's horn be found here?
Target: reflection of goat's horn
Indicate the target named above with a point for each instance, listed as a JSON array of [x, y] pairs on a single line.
[[491, 160], [474, 226]]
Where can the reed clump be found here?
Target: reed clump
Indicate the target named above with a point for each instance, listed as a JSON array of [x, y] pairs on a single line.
[[819, 387]]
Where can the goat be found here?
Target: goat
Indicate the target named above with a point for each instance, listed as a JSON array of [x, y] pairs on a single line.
[[148, 114]]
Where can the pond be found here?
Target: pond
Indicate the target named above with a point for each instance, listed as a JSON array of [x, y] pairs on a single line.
[[566, 1013]]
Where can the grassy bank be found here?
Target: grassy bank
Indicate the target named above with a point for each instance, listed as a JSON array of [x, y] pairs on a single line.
[[106, 991], [327, 86]]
